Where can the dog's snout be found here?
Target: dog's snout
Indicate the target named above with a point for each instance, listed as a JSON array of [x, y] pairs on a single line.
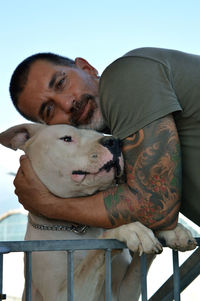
[[113, 144]]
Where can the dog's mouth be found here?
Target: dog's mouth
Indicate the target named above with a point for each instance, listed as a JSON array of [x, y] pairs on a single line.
[[107, 167], [112, 164]]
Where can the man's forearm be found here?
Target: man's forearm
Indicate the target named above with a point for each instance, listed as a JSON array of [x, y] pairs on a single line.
[[109, 209], [88, 210], [123, 208]]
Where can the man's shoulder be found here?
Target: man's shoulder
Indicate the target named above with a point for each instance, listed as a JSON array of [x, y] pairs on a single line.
[[164, 56], [154, 54], [158, 55], [168, 58], [148, 51]]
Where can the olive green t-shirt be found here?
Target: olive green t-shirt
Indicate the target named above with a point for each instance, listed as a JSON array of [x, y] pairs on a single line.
[[147, 84]]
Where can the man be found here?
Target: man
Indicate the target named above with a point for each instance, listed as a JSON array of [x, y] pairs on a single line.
[[149, 98]]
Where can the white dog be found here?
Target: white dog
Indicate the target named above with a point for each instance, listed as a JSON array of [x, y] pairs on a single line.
[[73, 162]]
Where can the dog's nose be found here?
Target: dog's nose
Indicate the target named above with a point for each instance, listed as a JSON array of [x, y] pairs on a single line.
[[113, 144]]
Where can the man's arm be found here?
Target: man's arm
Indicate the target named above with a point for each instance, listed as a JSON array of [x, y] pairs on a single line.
[[153, 174], [151, 194]]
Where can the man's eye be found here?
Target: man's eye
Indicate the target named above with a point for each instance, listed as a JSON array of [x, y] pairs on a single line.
[[48, 112], [66, 138], [60, 83]]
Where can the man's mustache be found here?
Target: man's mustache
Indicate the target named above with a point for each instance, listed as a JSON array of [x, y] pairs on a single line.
[[79, 106]]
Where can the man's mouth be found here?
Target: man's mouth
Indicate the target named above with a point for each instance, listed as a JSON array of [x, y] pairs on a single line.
[[86, 113], [83, 110]]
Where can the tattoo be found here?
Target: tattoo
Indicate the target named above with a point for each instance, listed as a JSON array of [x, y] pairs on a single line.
[[153, 176]]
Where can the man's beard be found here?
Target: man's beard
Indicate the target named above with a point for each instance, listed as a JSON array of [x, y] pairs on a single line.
[[93, 120]]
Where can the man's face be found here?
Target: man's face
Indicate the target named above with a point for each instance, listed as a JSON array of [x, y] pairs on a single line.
[[57, 94]]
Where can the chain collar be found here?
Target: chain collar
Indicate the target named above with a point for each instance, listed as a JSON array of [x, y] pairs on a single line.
[[76, 228]]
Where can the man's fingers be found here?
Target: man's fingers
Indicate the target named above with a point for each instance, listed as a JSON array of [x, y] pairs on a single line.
[[25, 164], [22, 157], [18, 176], [26, 170]]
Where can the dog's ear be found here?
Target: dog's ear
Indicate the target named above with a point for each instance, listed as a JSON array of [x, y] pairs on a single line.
[[16, 136]]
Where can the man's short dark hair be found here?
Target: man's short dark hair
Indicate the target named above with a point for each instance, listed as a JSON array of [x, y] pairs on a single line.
[[20, 75]]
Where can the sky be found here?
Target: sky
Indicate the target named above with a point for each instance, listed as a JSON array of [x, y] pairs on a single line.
[[99, 31]]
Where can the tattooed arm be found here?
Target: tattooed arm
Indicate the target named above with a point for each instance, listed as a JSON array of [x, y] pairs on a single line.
[[153, 174], [151, 194]]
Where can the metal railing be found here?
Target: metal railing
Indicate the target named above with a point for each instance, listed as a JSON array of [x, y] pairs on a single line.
[[171, 290]]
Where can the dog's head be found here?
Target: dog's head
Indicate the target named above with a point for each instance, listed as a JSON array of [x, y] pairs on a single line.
[[69, 161]]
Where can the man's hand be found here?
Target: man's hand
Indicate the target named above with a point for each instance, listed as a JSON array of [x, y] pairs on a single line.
[[32, 194]]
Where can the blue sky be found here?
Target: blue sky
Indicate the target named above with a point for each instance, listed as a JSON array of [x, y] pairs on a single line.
[[99, 31]]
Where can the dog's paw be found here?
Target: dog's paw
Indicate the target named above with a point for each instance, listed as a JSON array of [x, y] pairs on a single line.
[[179, 239], [137, 237]]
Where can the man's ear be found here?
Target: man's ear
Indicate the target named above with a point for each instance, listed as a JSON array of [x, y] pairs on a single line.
[[84, 65], [16, 136]]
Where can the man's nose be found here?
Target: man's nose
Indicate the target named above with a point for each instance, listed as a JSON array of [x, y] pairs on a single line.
[[65, 103]]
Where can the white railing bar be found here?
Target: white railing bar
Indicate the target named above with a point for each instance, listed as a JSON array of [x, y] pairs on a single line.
[[61, 245], [143, 271], [108, 275], [28, 256], [176, 275]]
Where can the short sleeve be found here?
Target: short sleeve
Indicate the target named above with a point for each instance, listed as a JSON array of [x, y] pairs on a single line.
[[134, 91]]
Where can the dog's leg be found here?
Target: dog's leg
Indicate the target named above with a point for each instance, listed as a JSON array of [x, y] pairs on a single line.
[[180, 238], [130, 288], [139, 239], [90, 274], [35, 294]]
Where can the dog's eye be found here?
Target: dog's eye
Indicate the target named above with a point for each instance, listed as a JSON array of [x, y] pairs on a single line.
[[66, 138]]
